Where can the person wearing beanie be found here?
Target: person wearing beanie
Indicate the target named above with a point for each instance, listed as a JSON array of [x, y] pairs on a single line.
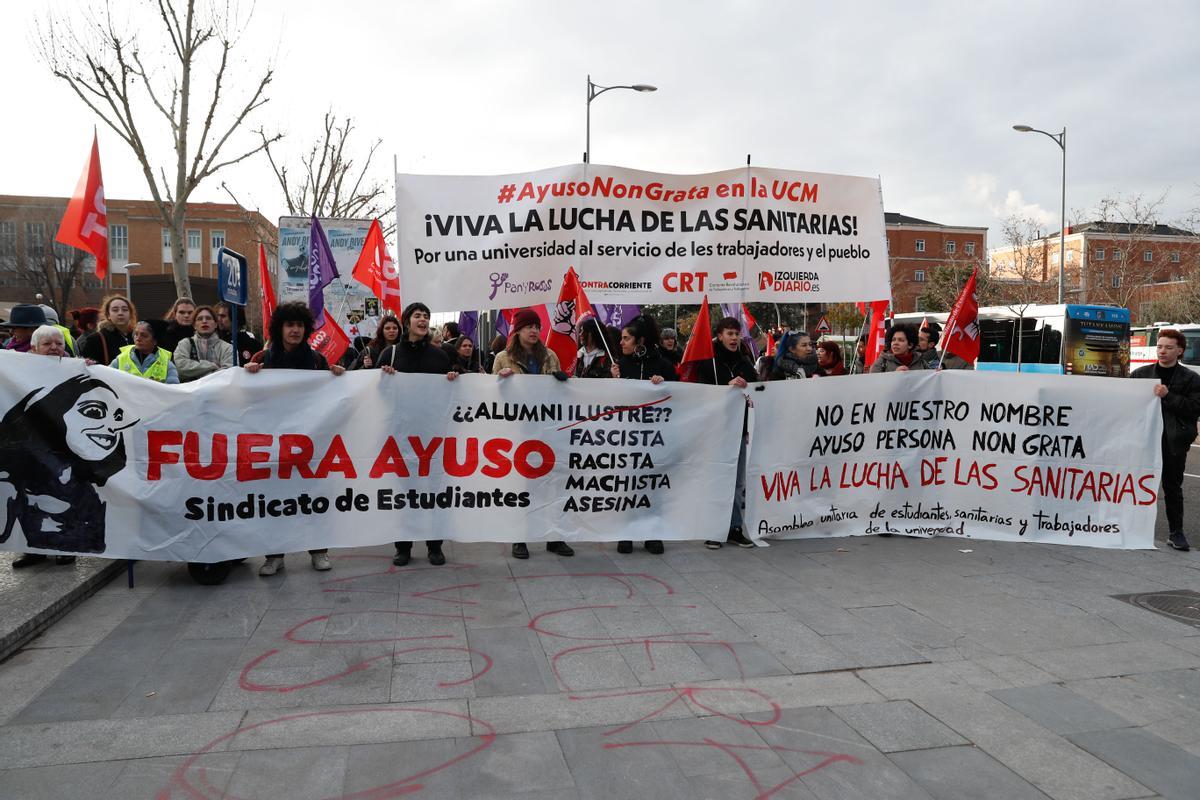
[[526, 354], [144, 358]]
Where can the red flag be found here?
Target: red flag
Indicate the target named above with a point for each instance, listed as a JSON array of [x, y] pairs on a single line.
[[329, 340], [376, 270], [266, 292], [699, 347], [877, 337], [861, 308], [962, 327], [85, 223], [571, 308], [751, 322]]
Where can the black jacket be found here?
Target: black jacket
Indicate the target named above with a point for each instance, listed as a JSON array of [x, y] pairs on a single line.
[[247, 345], [1181, 406], [95, 346], [601, 367], [412, 357], [175, 334], [730, 364], [647, 365]]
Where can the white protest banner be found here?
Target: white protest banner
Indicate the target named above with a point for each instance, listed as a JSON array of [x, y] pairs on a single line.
[[97, 461], [1039, 458], [636, 237]]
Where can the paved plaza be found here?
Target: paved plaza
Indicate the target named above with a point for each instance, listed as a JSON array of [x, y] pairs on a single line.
[[847, 668]]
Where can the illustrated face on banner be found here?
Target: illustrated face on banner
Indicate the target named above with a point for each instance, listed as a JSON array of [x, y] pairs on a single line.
[[94, 424]]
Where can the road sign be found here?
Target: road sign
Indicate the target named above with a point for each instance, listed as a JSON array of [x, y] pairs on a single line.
[[231, 276], [823, 326]]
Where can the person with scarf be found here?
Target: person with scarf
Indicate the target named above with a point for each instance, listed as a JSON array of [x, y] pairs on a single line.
[[526, 354], [730, 366], [387, 334], [901, 355], [792, 357], [118, 316], [464, 358], [289, 331], [202, 353], [415, 352], [642, 359], [829, 358], [180, 323], [24, 320]]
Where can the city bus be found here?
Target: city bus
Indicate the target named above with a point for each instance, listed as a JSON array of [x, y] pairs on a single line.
[[1051, 339]]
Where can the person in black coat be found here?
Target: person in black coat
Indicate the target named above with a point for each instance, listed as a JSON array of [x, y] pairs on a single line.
[[416, 353], [669, 344], [594, 360], [641, 359], [1179, 391], [247, 343], [291, 327], [730, 366], [118, 319], [180, 317]]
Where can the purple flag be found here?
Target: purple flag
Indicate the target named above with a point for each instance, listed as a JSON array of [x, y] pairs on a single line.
[[468, 324], [321, 271], [615, 315], [735, 310], [503, 327]]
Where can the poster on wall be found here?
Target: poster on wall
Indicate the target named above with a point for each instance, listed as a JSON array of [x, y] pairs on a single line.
[[637, 237], [345, 298]]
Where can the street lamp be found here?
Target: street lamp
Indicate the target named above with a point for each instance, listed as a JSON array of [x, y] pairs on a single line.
[[1060, 139], [594, 90]]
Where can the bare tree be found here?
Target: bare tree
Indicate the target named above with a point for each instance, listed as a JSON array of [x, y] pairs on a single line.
[[331, 180], [117, 74], [945, 282], [49, 268]]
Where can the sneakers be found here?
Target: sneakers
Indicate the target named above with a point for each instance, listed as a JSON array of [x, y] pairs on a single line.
[[436, 556], [320, 562], [713, 545], [272, 565], [737, 537], [60, 560], [562, 548], [1176, 541], [520, 550], [654, 547], [625, 547], [403, 554]]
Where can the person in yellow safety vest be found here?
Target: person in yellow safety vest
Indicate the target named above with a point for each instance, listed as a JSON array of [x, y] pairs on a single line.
[[144, 357], [68, 340]]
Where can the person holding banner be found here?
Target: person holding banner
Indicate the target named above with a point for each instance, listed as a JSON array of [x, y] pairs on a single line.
[[114, 331], [289, 331], [730, 366], [415, 352], [203, 353], [144, 358], [901, 355], [641, 359], [595, 346], [387, 334], [1178, 391], [526, 354]]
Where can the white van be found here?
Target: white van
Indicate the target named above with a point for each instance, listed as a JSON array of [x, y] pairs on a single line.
[[1143, 343]]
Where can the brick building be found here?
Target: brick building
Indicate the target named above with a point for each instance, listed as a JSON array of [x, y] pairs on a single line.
[[136, 237], [1112, 263], [916, 246]]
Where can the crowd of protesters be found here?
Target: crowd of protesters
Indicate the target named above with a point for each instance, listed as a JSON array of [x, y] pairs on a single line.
[[192, 341]]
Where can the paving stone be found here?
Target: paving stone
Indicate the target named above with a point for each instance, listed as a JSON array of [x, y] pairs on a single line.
[[403, 766], [148, 777], [832, 760], [1151, 761], [519, 665], [184, 680], [604, 769], [1106, 660], [794, 645], [66, 782], [964, 773], [730, 594], [874, 650], [739, 660], [413, 682], [1058, 709], [266, 729], [30, 671], [896, 726], [520, 714], [296, 773], [89, 622], [516, 764], [788, 691], [906, 624], [46, 744]]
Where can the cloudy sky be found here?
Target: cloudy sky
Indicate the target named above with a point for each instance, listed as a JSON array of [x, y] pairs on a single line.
[[921, 94]]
